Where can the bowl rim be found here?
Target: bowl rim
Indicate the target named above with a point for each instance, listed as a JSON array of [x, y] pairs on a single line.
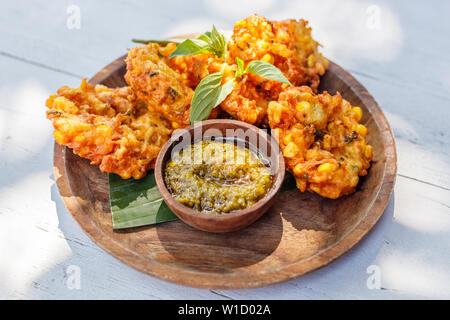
[[161, 161]]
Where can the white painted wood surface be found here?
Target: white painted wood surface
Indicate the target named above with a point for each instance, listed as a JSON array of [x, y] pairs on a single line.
[[398, 50]]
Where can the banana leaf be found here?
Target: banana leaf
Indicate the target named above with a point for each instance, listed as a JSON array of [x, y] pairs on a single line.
[[137, 203]]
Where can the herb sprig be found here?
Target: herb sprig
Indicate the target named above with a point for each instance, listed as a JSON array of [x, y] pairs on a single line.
[[210, 93], [262, 69], [210, 42]]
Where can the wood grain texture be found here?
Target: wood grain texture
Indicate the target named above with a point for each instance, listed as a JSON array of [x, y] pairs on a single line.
[[300, 233]]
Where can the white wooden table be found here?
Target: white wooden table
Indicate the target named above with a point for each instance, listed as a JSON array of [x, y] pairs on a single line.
[[399, 51]]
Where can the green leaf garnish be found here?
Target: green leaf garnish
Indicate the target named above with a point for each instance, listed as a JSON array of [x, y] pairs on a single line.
[[136, 203], [190, 47], [218, 43], [266, 70], [208, 95], [163, 42], [211, 41], [205, 37], [240, 70]]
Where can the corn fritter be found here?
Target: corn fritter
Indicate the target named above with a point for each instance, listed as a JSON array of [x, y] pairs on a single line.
[[322, 141], [286, 44], [110, 127], [160, 87]]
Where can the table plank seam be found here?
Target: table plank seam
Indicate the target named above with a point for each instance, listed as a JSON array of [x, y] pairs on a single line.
[[39, 64], [422, 181]]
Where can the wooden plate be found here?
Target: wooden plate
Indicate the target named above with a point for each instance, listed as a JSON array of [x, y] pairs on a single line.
[[300, 233]]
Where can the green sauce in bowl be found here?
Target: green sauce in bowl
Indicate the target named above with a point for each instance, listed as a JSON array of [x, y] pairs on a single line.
[[217, 177]]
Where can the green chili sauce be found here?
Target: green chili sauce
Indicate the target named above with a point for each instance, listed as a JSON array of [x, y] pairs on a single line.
[[217, 177]]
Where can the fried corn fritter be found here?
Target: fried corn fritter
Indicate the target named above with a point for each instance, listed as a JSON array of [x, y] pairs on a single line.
[[286, 44], [250, 98], [323, 143], [110, 127], [193, 68], [158, 85]]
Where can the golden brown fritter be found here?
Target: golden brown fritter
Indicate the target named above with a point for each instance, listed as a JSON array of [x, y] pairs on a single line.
[[196, 67], [158, 85], [286, 44], [250, 98], [193, 68], [323, 143], [110, 127]]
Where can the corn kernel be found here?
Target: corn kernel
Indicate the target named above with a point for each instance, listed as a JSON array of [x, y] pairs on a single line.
[[125, 175], [368, 152], [175, 125], [363, 144], [277, 116], [84, 85], [327, 142], [290, 150], [263, 45], [315, 188], [287, 138], [240, 23], [325, 167], [311, 61], [361, 129], [59, 137], [102, 127], [252, 117], [357, 112], [303, 106], [78, 138], [61, 103], [298, 169], [268, 58], [304, 95]]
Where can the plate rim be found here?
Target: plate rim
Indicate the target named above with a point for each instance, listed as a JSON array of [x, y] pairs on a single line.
[[234, 281]]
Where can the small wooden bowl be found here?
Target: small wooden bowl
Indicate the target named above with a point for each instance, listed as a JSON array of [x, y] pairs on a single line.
[[256, 138]]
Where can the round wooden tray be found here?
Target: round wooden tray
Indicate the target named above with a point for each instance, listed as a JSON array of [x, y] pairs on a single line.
[[300, 233]]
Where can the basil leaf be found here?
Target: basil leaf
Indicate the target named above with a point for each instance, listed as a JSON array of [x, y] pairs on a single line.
[[266, 70], [218, 43], [225, 90], [163, 42], [205, 37], [211, 41], [240, 70], [190, 47], [137, 203], [208, 95]]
